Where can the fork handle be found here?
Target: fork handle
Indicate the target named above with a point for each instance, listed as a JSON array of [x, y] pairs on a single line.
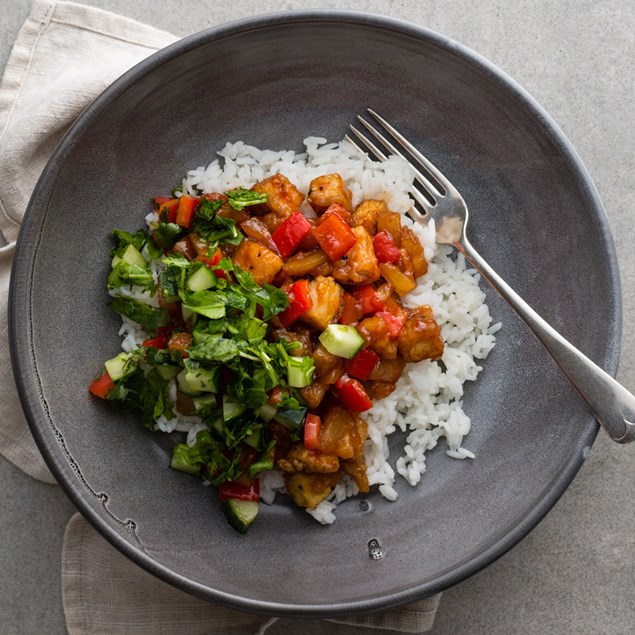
[[611, 404]]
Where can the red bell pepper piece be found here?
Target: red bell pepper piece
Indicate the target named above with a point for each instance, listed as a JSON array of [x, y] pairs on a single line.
[[102, 386], [312, 427], [368, 300], [352, 394], [229, 489], [385, 248], [166, 208], [362, 365], [350, 314], [394, 322], [291, 233], [299, 302], [158, 341], [334, 236], [212, 261], [185, 212], [335, 208]]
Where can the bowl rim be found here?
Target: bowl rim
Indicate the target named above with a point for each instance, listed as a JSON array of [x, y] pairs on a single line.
[[24, 362]]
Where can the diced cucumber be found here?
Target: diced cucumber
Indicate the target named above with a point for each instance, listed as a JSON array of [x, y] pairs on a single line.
[[291, 418], [260, 466], [204, 402], [203, 338], [240, 514], [120, 366], [168, 372], [133, 256], [180, 461], [342, 340], [300, 371], [204, 379], [189, 316], [255, 439], [184, 385], [267, 412], [216, 426], [201, 279], [233, 411], [169, 287]]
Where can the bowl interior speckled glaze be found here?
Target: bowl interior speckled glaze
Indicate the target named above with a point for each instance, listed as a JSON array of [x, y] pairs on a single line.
[[271, 81]]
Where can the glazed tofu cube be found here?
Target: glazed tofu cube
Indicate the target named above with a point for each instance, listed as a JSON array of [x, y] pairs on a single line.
[[359, 265], [375, 331], [356, 468], [309, 490], [299, 459], [298, 335], [388, 370], [328, 189], [283, 198], [367, 213], [326, 296], [343, 433], [261, 262], [313, 394], [421, 337]]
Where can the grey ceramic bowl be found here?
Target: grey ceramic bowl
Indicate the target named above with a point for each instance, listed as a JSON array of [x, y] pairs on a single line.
[[272, 81]]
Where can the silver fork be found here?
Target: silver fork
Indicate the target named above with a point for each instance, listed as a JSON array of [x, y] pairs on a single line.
[[612, 405]]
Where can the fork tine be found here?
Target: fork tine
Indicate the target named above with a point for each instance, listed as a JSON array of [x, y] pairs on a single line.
[[406, 145], [432, 189], [416, 194], [367, 142], [417, 216]]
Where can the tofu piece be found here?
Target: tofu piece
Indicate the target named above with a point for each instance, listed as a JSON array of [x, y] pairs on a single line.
[[388, 370], [375, 331], [366, 215], [359, 265], [299, 459], [283, 198], [379, 389], [299, 335], [328, 189], [326, 296], [309, 490], [261, 262], [313, 394], [343, 433], [324, 361], [421, 336], [356, 469]]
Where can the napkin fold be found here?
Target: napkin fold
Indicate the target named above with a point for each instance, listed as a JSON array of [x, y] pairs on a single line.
[[65, 55], [104, 593]]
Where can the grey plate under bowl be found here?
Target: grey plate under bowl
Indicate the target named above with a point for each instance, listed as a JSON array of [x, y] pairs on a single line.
[[272, 81]]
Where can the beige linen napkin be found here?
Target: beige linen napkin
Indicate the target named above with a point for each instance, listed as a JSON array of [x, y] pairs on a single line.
[[106, 594], [64, 56]]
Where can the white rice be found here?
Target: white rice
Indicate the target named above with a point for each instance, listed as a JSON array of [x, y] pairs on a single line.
[[426, 404]]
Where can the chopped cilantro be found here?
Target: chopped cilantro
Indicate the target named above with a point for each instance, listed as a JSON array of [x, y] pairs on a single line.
[[148, 316]]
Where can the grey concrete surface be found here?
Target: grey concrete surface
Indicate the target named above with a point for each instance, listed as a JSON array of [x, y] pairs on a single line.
[[575, 573]]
